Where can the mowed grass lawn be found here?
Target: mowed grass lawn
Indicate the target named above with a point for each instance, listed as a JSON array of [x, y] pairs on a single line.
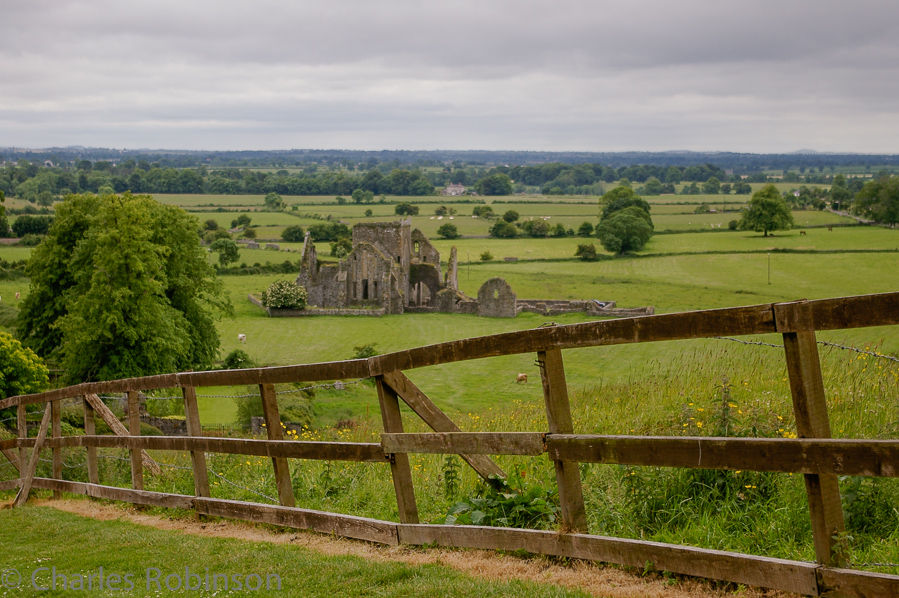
[[32, 537]]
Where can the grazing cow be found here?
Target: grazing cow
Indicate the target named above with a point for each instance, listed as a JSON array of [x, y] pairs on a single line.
[[802, 233], [521, 378], [242, 338], [830, 228]]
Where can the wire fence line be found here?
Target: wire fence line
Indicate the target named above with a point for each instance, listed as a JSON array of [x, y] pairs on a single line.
[[824, 343]]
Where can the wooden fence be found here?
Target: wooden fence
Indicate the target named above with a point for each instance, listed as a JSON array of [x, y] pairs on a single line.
[[814, 454]]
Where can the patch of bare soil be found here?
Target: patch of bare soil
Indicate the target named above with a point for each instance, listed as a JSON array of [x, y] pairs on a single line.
[[599, 580]]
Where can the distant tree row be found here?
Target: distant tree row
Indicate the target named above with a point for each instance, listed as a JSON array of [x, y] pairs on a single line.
[[43, 185]]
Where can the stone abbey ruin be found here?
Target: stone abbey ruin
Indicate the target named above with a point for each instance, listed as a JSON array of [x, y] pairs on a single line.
[[394, 269]]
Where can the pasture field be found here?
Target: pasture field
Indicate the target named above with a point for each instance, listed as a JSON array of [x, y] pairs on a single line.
[[677, 283]]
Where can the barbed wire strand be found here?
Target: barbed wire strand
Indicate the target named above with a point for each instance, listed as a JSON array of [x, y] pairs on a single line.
[[857, 350], [825, 343]]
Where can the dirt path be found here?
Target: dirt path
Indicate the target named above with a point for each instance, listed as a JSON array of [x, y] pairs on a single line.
[[598, 580]]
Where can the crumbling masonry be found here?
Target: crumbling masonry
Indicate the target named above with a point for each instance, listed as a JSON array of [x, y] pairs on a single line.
[[395, 268]]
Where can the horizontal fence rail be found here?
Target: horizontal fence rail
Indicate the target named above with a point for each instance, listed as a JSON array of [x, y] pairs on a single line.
[[813, 454]]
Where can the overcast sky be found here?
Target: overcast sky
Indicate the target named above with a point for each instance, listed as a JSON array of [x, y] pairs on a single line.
[[754, 76]]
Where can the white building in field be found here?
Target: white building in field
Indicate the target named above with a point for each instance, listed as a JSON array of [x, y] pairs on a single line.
[[454, 189]]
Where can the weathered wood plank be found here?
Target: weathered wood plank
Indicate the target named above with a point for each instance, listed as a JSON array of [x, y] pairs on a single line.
[[273, 427], [839, 457], [312, 372], [847, 583], [90, 428], [360, 528], [812, 421], [473, 443], [27, 476], [137, 497], [285, 449], [850, 312], [137, 469], [756, 319], [56, 432], [9, 485], [399, 462], [558, 416], [780, 574], [22, 432], [194, 428], [438, 420], [118, 428], [337, 370]]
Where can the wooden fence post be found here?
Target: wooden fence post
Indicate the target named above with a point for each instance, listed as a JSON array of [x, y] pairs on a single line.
[[558, 415], [90, 429], [194, 428], [137, 466], [399, 462], [273, 427], [27, 475], [22, 428], [812, 421], [56, 432]]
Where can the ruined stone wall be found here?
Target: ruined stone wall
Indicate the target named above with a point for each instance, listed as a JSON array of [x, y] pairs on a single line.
[[422, 250], [168, 427], [451, 280], [369, 277], [454, 302], [393, 239], [424, 284], [496, 299]]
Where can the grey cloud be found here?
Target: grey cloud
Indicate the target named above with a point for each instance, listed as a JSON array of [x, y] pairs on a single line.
[[759, 76]]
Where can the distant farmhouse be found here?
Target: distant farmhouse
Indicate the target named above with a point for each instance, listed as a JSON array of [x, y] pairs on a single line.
[[454, 189], [394, 269]]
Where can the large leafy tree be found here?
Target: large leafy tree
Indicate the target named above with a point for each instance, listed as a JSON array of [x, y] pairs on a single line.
[[495, 184], [121, 287], [624, 231], [625, 224], [620, 198], [4, 223], [879, 200], [767, 212]]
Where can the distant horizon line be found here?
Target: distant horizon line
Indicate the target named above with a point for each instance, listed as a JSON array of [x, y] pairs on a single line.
[[800, 152]]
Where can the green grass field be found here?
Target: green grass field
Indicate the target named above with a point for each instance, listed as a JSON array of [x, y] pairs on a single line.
[[35, 537]]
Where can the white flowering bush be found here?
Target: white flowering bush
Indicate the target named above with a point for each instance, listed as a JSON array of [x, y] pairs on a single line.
[[283, 294]]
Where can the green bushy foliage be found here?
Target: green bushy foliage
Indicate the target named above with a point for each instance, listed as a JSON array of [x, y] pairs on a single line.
[[506, 503], [283, 294], [237, 360], [586, 252]]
